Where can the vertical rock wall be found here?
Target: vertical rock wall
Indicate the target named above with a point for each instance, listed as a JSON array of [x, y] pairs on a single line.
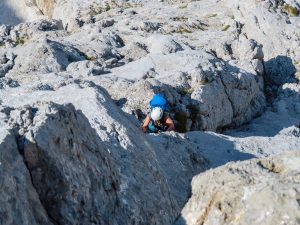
[[46, 6]]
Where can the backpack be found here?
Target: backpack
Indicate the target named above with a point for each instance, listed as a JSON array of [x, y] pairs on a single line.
[[159, 100]]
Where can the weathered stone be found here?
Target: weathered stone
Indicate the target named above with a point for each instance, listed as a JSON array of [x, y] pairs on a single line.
[[209, 58], [20, 202], [69, 166], [257, 191]]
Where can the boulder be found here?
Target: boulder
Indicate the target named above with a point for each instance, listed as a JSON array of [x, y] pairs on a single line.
[[69, 166], [259, 191], [53, 57], [20, 202]]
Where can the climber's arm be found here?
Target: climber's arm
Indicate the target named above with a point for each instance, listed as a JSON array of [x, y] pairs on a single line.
[[145, 124], [170, 124]]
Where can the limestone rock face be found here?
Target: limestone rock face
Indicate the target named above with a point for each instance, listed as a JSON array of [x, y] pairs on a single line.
[[76, 78], [20, 202], [206, 91], [129, 158], [53, 57], [69, 166], [246, 193], [256, 24]]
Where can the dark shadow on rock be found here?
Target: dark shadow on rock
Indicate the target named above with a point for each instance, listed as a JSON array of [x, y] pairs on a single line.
[[198, 151], [23, 200], [121, 102], [134, 162], [280, 70], [188, 161], [280, 115], [65, 54], [180, 221], [8, 15], [216, 149], [70, 168]]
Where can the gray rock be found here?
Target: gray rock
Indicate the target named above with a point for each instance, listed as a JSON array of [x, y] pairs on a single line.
[[132, 154], [107, 23], [53, 57], [149, 26], [133, 51], [249, 49], [73, 176], [256, 191], [209, 58], [4, 30], [86, 68], [163, 44], [6, 82], [7, 62], [280, 70], [276, 43], [20, 202]]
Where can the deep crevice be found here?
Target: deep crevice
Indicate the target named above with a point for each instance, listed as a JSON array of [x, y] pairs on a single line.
[[20, 139], [231, 103]]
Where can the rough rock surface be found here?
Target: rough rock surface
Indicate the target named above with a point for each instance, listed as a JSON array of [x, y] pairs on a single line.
[[133, 157], [76, 78], [246, 193], [71, 170], [19, 199]]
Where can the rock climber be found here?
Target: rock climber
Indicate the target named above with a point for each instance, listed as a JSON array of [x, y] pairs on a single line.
[[158, 120]]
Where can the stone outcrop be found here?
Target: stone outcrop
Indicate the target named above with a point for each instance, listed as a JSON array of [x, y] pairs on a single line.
[[281, 61], [68, 164], [129, 158], [20, 202], [75, 85], [261, 191]]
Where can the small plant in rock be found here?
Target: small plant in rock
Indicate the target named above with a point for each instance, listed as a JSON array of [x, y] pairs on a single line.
[[185, 91], [225, 28], [20, 41], [182, 30], [203, 81], [212, 15], [90, 58], [107, 7], [2, 44], [291, 10], [179, 18], [183, 6], [199, 26], [96, 9]]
